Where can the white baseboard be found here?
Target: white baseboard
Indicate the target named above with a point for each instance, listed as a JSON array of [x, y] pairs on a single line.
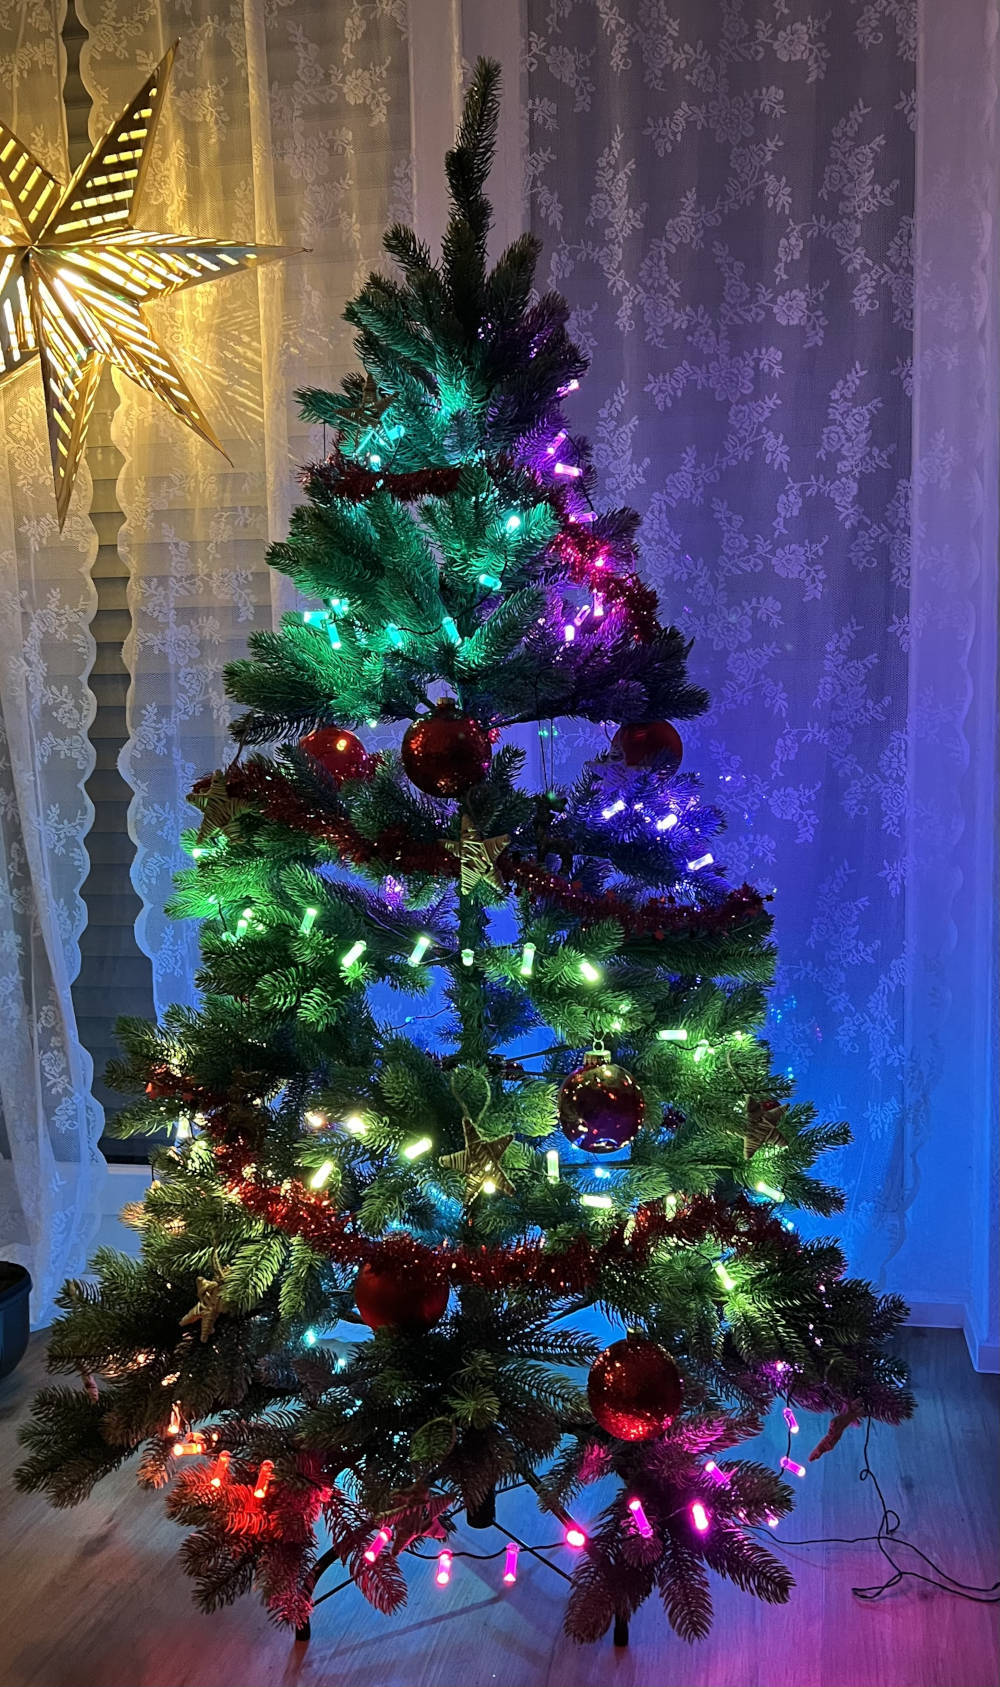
[[985, 1354], [953, 1315]]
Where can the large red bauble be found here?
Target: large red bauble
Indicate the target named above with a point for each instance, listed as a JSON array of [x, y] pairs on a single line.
[[634, 1389], [403, 1299], [340, 752], [446, 753], [651, 743], [600, 1107]]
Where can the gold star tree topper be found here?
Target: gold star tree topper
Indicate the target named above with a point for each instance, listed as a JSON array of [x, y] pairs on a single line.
[[75, 272]]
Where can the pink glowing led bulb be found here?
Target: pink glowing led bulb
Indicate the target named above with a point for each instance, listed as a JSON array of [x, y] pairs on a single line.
[[699, 1516], [510, 1562], [791, 1420], [642, 1522], [381, 1540], [575, 1536], [573, 470], [443, 1573], [796, 1469], [553, 446]]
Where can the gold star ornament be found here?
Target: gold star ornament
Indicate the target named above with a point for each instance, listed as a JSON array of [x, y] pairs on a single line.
[[75, 273], [477, 857], [208, 1307], [479, 1163]]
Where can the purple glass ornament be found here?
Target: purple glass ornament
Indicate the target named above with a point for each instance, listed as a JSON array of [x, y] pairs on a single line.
[[600, 1107]]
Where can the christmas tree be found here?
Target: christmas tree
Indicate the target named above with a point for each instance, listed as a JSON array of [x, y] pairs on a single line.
[[584, 1114]]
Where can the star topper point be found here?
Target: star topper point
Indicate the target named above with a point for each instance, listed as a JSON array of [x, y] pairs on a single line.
[[75, 273]]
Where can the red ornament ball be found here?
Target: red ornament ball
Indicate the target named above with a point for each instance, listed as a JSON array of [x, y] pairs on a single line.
[[634, 1389], [600, 1107], [446, 753], [403, 1299], [340, 752], [651, 743]]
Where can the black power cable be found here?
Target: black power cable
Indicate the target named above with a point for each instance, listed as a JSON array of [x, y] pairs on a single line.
[[886, 1536]]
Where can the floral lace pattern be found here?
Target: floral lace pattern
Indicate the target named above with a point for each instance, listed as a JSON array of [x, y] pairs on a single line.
[[725, 194], [285, 124]]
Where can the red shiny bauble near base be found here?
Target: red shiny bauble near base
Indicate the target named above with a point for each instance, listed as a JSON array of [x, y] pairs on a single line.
[[652, 743], [402, 1299], [446, 753], [339, 752], [601, 1107], [634, 1389]]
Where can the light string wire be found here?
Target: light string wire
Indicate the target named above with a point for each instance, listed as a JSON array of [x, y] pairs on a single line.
[[886, 1536]]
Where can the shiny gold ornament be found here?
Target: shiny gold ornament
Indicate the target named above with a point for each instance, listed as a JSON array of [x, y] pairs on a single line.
[[477, 857], [479, 1163], [74, 273]]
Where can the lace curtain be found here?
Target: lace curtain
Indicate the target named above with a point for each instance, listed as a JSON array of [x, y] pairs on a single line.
[[50, 1170], [284, 124], [726, 195]]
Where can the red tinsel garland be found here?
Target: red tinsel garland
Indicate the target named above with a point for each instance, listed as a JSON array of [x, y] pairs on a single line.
[[340, 477], [264, 785], [295, 1211]]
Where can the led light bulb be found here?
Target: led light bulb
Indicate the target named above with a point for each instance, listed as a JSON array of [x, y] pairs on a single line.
[[414, 1150], [673, 1034], [724, 1277], [667, 824], [316, 1120], [220, 1469], [589, 973], [321, 1175], [642, 1522], [382, 1539], [795, 1469], [575, 1536], [354, 953], [443, 1573], [510, 1562], [602, 1202], [571, 470], [702, 861], [552, 1164], [699, 1516], [512, 523], [791, 1420], [468, 957], [488, 1187], [528, 960], [612, 809], [308, 921], [419, 949], [263, 1481], [769, 1190], [355, 1124]]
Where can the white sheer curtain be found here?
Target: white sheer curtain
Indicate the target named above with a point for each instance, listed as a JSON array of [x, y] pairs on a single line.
[[50, 1169], [285, 125], [947, 1166]]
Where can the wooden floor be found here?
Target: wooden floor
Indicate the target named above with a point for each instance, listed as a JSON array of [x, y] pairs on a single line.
[[93, 1597]]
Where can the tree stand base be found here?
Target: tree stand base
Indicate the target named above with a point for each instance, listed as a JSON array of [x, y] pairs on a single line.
[[485, 1515], [621, 1631]]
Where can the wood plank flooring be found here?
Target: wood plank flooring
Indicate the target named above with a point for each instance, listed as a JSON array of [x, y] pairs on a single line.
[[94, 1598]]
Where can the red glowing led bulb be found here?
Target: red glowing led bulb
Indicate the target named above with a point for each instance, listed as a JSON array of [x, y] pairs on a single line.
[[443, 1573], [381, 1540], [575, 1536], [263, 1481]]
